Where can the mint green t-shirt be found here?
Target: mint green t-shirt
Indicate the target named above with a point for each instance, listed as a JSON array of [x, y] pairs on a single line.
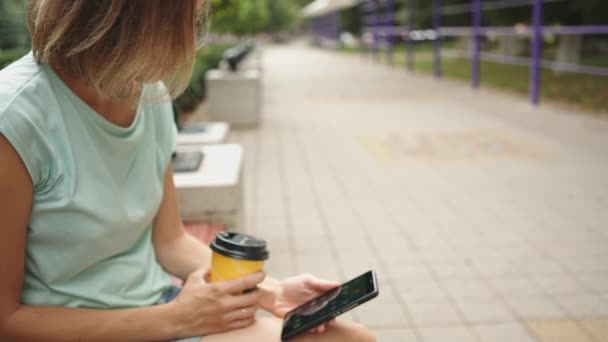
[[97, 189]]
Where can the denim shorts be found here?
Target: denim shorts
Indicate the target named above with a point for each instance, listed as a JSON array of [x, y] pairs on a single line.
[[169, 296]]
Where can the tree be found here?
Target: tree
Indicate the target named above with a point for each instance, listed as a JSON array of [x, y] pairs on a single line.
[[283, 15], [240, 17], [245, 17], [12, 25]]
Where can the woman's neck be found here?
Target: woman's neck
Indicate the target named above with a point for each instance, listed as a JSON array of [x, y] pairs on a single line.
[[120, 113]]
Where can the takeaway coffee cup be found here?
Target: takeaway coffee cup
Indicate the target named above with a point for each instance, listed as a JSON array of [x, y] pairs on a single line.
[[236, 255]]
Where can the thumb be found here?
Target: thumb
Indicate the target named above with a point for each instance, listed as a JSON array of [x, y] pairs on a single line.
[[321, 285], [200, 274]]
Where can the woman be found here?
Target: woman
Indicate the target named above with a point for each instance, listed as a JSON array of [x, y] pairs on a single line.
[[89, 226]]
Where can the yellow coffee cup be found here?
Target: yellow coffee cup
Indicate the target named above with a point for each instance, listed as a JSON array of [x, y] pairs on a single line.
[[236, 255]]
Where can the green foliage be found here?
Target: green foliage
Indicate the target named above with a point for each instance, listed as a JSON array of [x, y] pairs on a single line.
[[239, 16], [351, 20], [13, 33], [247, 17], [566, 12], [9, 56], [207, 58], [283, 16]]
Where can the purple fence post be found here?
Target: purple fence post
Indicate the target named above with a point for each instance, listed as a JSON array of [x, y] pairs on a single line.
[[315, 30], [375, 22], [476, 7], [389, 21], [409, 42], [437, 42], [337, 23], [363, 21], [537, 45]]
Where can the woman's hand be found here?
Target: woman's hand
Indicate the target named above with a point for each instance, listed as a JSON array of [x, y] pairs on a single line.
[[294, 291], [203, 309]]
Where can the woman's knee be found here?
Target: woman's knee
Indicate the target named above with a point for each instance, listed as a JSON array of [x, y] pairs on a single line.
[[342, 331], [356, 332]]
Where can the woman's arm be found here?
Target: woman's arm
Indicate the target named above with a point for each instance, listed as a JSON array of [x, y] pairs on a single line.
[[32, 323], [200, 309], [27, 323], [178, 252]]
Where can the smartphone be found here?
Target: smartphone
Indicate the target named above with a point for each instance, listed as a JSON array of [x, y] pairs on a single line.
[[329, 305], [187, 161]]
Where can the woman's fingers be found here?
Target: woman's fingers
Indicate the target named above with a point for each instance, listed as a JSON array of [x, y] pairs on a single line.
[[241, 284], [240, 314], [321, 328], [243, 300], [241, 323], [320, 285]]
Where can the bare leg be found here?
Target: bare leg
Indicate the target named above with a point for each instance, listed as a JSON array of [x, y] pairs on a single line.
[[269, 330]]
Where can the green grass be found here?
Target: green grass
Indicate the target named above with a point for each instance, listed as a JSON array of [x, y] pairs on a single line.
[[584, 92], [601, 61], [401, 47]]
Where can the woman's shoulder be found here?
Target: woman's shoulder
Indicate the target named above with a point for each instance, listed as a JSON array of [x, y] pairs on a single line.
[[26, 98], [24, 89]]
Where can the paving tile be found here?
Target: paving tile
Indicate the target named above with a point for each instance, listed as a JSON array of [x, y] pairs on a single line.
[[597, 282], [352, 244], [394, 335], [539, 267], [586, 265], [515, 288], [503, 332], [382, 314], [584, 306], [409, 271], [433, 313], [468, 289], [484, 311], [399, 256], [535, 308], [494, 268], [597, 328], [560, 285], [453, 270], [558, 331], [415, 291], [457, 333]]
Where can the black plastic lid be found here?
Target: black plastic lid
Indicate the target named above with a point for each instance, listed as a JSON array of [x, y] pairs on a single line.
[[239, 246]]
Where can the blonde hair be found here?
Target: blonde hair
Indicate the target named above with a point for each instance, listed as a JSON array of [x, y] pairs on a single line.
[[118, 45]]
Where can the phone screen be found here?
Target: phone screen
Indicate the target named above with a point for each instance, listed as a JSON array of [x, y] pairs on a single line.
[[330, 304]]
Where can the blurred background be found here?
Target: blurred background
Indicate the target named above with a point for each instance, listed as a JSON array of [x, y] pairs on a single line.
[[574, 62], [456, 147]]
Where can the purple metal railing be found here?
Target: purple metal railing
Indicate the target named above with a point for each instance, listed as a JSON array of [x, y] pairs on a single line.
[[410, 27], [326, 27], [537, 52], [475, 61], [437, 40], [376, 27]]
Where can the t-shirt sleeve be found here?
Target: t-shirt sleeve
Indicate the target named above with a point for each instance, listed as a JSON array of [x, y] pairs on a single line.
[[166, 136], [29, 141]]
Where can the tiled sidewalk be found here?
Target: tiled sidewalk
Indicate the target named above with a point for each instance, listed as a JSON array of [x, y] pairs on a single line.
[[486, 219]]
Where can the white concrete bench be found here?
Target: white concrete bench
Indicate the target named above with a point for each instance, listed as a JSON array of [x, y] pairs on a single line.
[[208, 133], [214, 192], [234, 97]]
